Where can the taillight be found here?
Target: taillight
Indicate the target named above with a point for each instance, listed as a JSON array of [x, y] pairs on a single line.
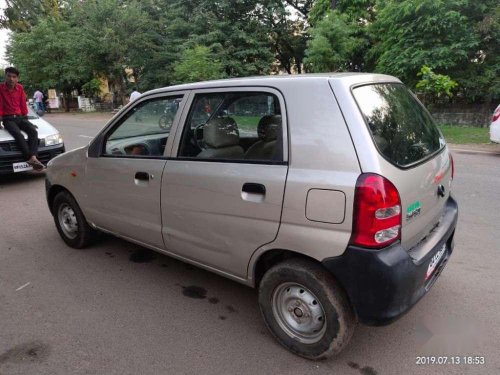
[[496, 115], [452, 166], [377, 212]]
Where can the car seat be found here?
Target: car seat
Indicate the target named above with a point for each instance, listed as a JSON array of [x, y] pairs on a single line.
[[222, 138], [265, 148]]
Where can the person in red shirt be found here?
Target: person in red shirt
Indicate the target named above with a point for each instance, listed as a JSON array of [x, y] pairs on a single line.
[[13, 113]]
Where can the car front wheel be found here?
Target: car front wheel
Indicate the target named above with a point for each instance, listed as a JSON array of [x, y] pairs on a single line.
[[70, 221], [305, 309]]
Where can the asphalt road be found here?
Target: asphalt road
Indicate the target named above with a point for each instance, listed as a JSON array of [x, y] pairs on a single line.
[[116, 308]]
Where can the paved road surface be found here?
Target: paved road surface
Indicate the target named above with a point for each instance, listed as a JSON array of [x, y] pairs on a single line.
[[116, 308]]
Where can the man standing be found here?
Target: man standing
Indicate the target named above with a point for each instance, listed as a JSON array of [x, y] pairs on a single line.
[[135, 94], [38, 96], [13, 113]]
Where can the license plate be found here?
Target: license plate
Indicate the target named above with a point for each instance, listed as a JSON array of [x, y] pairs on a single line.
[[21, 167], [435, 261]]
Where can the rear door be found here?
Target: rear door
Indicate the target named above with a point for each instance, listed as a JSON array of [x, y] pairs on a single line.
[[218, 207], [411, 153]]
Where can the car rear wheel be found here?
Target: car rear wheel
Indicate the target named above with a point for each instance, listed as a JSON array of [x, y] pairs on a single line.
[[70, 221], [305, 309]]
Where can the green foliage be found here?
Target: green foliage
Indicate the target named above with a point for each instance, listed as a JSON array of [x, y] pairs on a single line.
[[410, 34], [197, 64], [288, 35], [149, 39], [340, 39], [22, 15], [332, 45], [92, 88], [435, 85], [234, 33], [457, 37], [47, 57], [113, 37], [358, 10]]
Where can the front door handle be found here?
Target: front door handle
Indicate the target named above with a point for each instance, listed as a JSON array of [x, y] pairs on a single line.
[[253, 188], [142, 176]]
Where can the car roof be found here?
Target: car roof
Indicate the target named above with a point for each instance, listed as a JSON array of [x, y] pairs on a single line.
[[276, 80]]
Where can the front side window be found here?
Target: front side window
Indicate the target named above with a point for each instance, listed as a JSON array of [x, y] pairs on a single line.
[[144, 130], [244, 126], [402, 129]]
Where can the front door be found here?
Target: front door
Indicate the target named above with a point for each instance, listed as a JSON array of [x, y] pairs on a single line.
[[124, 180], [223, 187]]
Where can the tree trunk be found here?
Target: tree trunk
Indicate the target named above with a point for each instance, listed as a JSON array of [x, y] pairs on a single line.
[[67, 100], [298, 65]]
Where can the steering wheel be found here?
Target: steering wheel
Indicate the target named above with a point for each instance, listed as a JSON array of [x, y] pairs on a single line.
[[199, 142]]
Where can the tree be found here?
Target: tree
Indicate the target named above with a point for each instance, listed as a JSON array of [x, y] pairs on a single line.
[[114, 37], [197, 64], [340, 38], [332, 45], [58, 64], [411, 34], [22, 15], [435, 86], [455, 37], [287, 33], [233, 32], [92, 88]]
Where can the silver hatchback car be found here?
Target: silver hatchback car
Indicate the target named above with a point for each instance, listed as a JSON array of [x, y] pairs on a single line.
[[329, 193]]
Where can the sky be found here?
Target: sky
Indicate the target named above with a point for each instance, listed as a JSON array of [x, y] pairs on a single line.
[[4, 35]]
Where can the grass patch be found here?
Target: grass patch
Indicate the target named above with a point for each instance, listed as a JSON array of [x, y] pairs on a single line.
[[248, 123], [465, 134]]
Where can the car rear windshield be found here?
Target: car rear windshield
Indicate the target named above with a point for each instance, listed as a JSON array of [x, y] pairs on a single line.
[[402, 129]]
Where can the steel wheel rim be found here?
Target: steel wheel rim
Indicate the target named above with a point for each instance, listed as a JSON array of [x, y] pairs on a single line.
[[299, 313], [67, 221]]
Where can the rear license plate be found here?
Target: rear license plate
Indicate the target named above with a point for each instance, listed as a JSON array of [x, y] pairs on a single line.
[[21, 167], [435, 261]]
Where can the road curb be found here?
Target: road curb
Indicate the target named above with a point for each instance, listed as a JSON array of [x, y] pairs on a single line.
[[473, 151]]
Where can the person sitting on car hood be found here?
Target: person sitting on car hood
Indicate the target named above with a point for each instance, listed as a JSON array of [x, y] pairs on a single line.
[[13, 112]]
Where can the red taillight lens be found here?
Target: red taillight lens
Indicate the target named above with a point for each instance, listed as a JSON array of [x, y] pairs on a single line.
[[496, 115], [377, 212], [452, 166]]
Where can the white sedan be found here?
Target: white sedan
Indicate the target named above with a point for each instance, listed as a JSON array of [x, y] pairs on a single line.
[[50, 145]]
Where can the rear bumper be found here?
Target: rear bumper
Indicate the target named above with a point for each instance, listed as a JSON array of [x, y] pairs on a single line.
[[384, 284], [495, 132], [46, 153]]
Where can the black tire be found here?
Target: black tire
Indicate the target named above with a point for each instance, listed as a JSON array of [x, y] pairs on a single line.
[[339, 319], [84, 235]]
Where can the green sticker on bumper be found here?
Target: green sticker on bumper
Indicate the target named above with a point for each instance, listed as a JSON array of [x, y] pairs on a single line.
[[413, 210]]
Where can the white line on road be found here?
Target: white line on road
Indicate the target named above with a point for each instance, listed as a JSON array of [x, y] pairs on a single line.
[[85, 136], [22, 287]]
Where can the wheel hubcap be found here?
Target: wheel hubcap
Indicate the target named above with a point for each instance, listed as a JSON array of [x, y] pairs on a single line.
[[299, 313], [67, 221]]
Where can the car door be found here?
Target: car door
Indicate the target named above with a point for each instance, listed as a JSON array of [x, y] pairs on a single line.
[[124, 176], [219, 206]]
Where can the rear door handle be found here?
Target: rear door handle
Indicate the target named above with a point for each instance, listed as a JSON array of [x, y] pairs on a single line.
[[253, 188], [142, 176]]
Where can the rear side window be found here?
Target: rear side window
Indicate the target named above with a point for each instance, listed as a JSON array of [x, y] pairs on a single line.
[[402, 129]]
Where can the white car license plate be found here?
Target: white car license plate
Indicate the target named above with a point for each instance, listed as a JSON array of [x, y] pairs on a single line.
[[21, 167], [435, 261]]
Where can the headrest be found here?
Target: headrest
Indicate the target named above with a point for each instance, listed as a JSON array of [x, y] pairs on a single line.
[[221, 132], [269, 127]]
